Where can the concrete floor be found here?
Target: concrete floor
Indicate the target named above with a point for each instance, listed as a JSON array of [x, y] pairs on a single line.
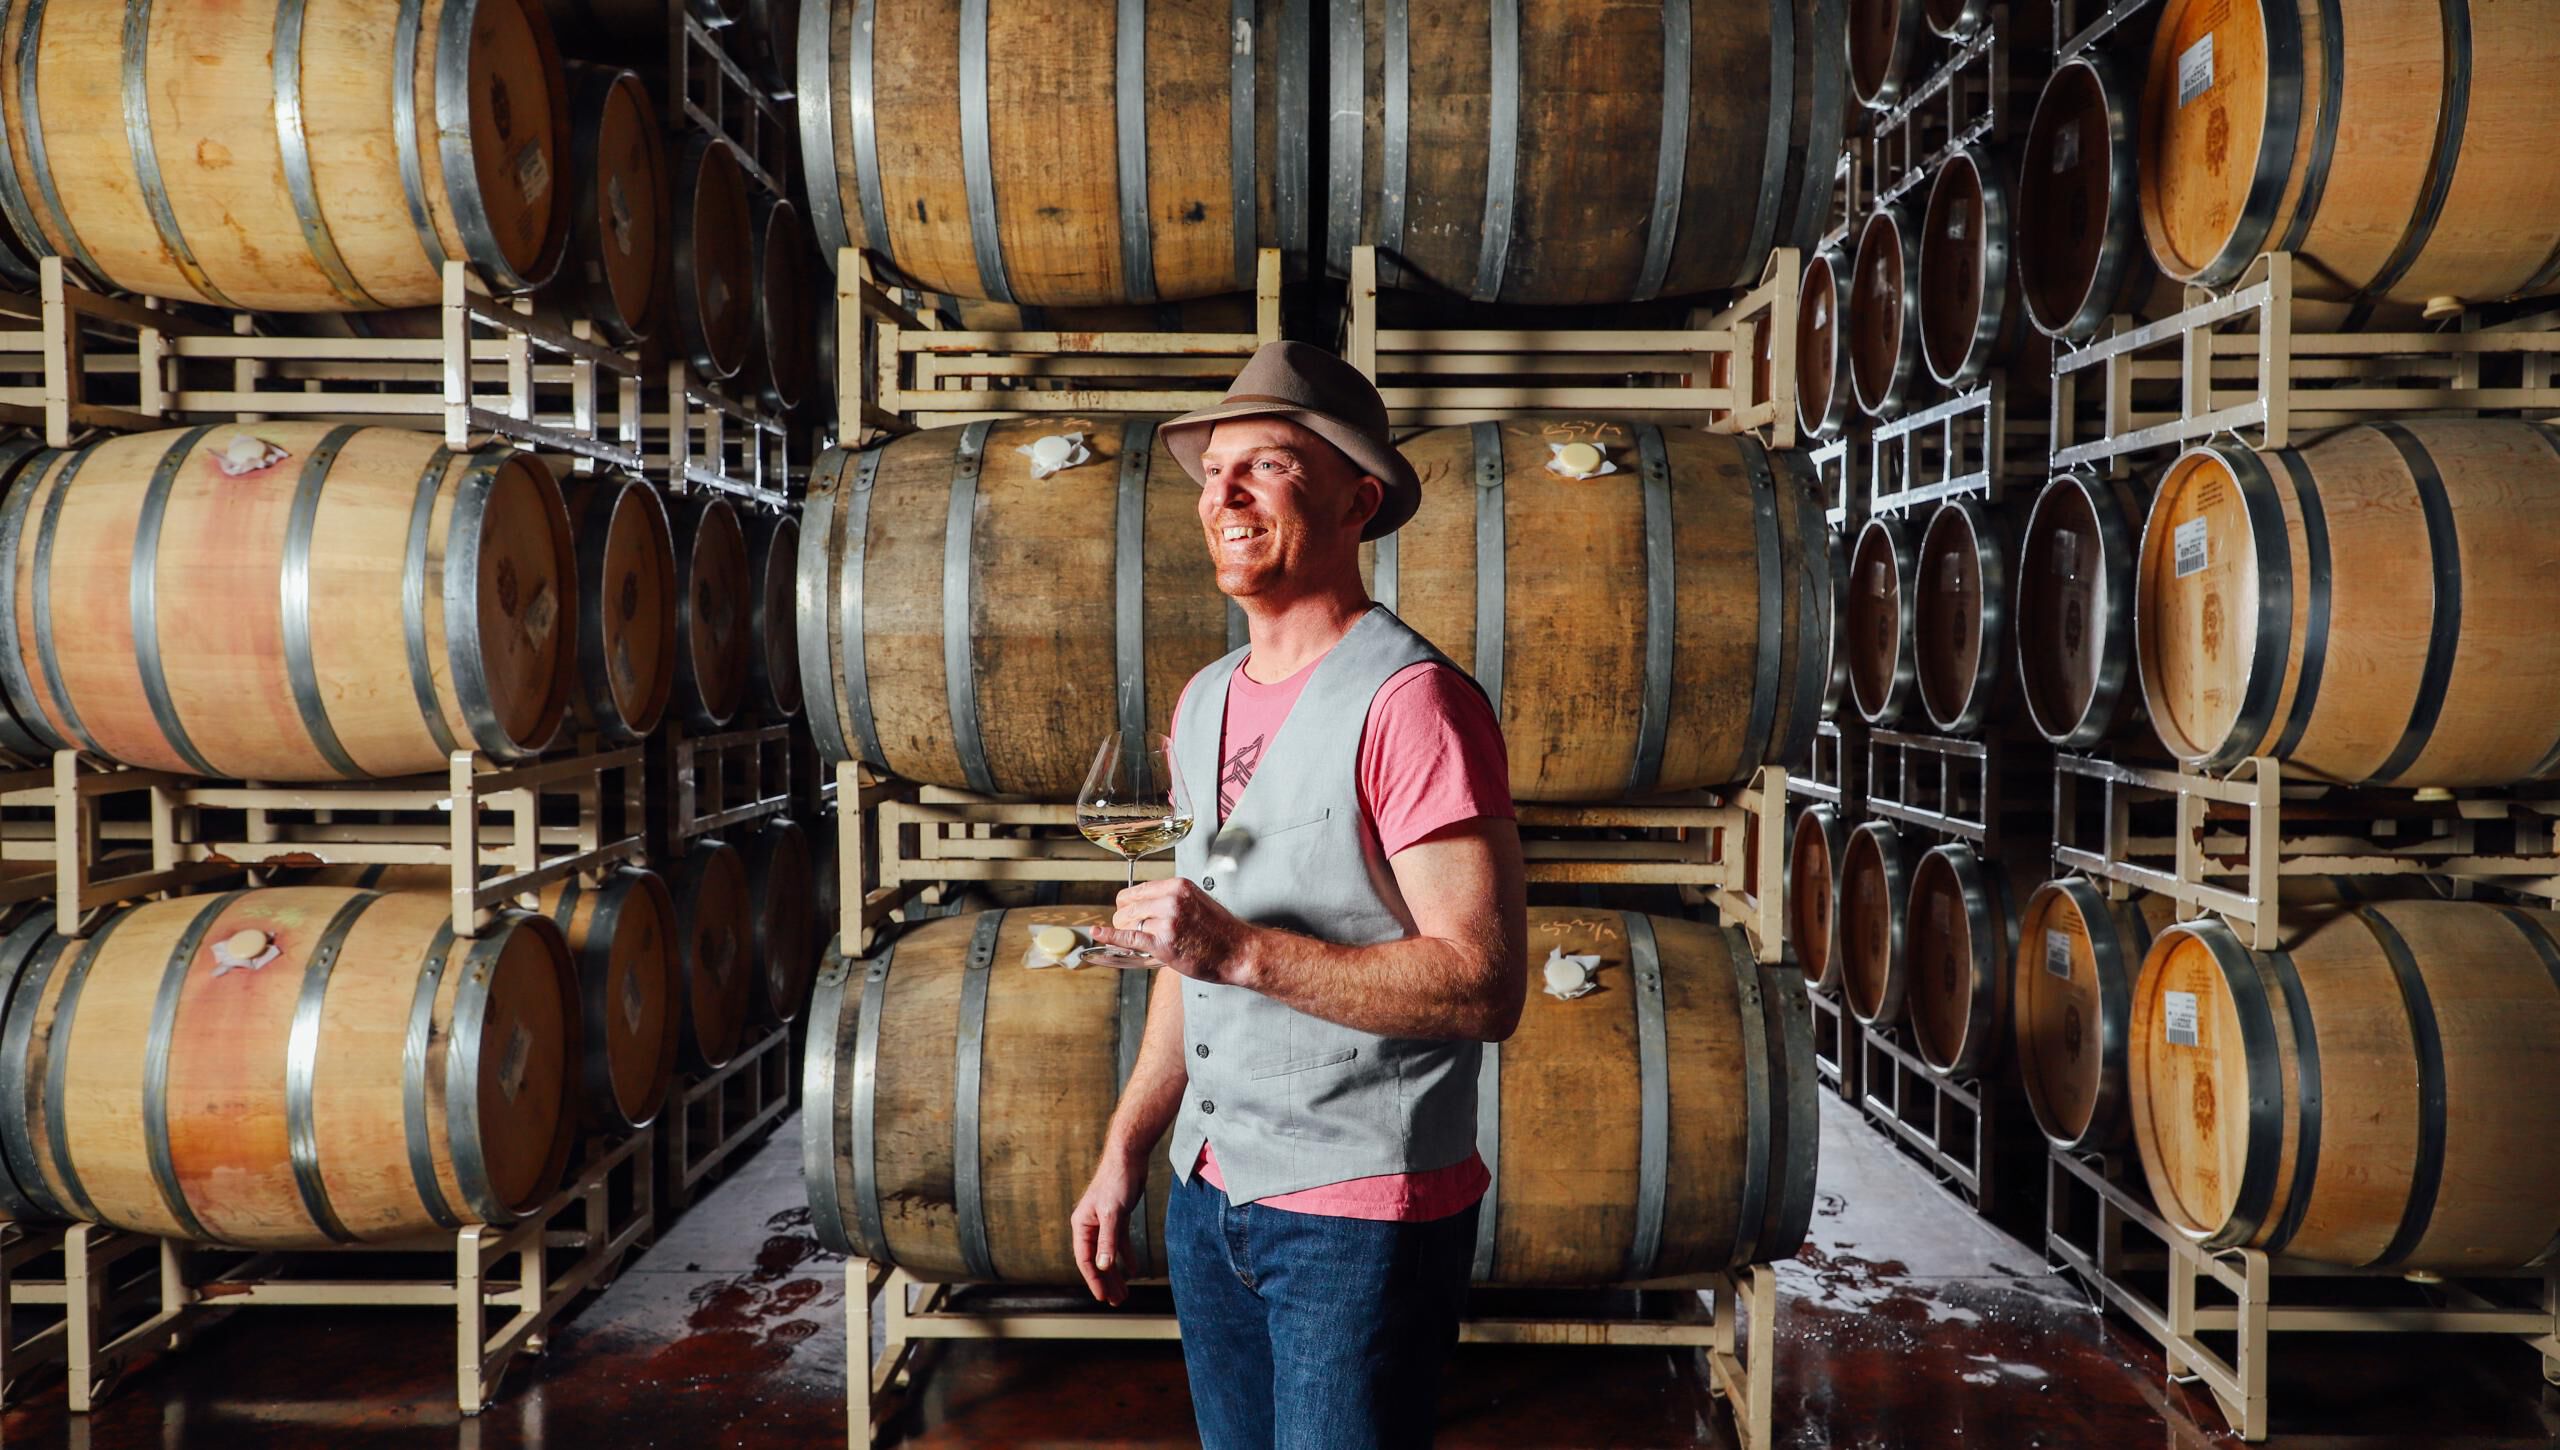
[[1907, 1322]]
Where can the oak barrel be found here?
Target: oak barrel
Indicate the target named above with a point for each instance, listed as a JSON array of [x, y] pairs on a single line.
[[782, 884], [1881, 648], [21, 745], [1953, 18], [773, 637], [716, 951], [2383, 1092], [2400, 148], [1871, 911], [1705, 668], [955, 1116], [1883, 46], [826, 894], [999, 157], [1959, 943], [292, 1067], [715, 258], [1813, 881], [1464, 150], [2075, 608], [626, 606], [2071, 996], [622, 934], [619, 204], [2375, 608], [1824, 391], [788, 298], [715, 591], [1835, 680], [1884, 312], [283, 160], [2080, 256], [1971, 318], [1960, 616], [287, 601]]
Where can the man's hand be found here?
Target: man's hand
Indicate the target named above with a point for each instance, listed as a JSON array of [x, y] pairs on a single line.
[[1181, 926], [1101, 1224]]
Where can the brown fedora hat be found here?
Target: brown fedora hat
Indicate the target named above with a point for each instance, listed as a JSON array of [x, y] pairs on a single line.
[[1328, 396]]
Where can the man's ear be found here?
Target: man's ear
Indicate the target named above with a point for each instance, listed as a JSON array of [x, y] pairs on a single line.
[[1368, 495]]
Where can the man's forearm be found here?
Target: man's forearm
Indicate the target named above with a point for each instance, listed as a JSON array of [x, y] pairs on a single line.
[[1154, 1094], [1421, 987]]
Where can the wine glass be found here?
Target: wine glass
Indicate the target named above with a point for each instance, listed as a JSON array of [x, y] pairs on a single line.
[[1133, 803]]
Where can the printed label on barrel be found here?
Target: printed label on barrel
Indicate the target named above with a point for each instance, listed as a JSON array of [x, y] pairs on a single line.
[[2057, 953], [2178, 1017], [2192, 551], [2195, 70]]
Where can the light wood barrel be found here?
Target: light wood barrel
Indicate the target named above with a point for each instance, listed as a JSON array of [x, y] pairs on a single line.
[[716, 951], [279, 159], [2401, 148], [1871, 913], [1881, 649], [626, 606], [2382, 1093], [715, 259], [1813, 903], [955, 1115], [1960, 616], [619, 204], [1884, 312], [1824, 391], [2375, 608], [1001, 158], [363, 604], [782, 884], [715, 590], [1464, 150], [1971, 318], [362, 1076], [980, 663], [1960, 942], [787, 299], [1883, 46], [773, 637], [2080, 256], [2071, 996], [2075, 609]]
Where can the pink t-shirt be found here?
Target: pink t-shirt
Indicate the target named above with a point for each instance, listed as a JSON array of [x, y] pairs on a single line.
[[1431, 757]]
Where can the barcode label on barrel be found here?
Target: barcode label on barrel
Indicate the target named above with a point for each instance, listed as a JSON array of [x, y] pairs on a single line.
[[2057, 953], [2195, 70], [2178, 1013], [2192, 551]]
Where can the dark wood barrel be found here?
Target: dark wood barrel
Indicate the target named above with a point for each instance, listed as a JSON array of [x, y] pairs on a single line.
[[715, 590], [887, 598], [782, 885], [2401, 149], [1867, 940], [2080, 256], [715, 259], [1971, 319], [1882, 649], [2372, 609], [291, 1067], [1835, 682], [1960, 944], [266, 158], [2071, 997], [626, 606], [1463, 150], [1000, 159], [2075, 609], [2383, 1092], [1884, 312], [619, 204], [909, 1048], [623, 934], [287, 601], [788, 297], [1883, 47], [767, 39], [22, 742], [716, 951], [1813, 879], [773, 636], [1824, 391], [1952, 18], [826, 875], [1960, 617]]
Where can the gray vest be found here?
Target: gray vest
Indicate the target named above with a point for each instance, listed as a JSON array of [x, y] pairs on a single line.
[[1294, 1101]]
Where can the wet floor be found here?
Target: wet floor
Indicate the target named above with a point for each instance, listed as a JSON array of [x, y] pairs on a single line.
[[1907, 1322]]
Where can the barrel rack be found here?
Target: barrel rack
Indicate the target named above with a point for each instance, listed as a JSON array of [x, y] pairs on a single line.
[[721, 781], [1963, 102], [1952, 1126], [2100, 1228], [2079, 24], [1728, 1318], [711, 1118], [1839, 1046], [1973, 445]]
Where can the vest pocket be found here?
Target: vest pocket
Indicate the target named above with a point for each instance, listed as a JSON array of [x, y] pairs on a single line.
[[1306, 1064], [1322, 815]]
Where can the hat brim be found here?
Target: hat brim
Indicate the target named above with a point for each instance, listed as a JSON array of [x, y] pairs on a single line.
[[1187, 437]]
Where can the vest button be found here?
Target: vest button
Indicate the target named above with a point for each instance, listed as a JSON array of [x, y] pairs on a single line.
[[1207, 1106], [1202, 1049], [1208, 883]]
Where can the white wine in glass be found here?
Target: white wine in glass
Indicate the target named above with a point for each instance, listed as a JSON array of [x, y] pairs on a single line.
[[1132, 805]]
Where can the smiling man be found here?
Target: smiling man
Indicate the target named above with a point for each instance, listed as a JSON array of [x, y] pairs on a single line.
[[1339, 947]]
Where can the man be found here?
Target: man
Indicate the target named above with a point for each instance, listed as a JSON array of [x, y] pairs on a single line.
[[1339, 942]]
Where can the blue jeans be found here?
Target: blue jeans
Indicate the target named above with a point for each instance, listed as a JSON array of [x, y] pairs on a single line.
[[1305, 1332]]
